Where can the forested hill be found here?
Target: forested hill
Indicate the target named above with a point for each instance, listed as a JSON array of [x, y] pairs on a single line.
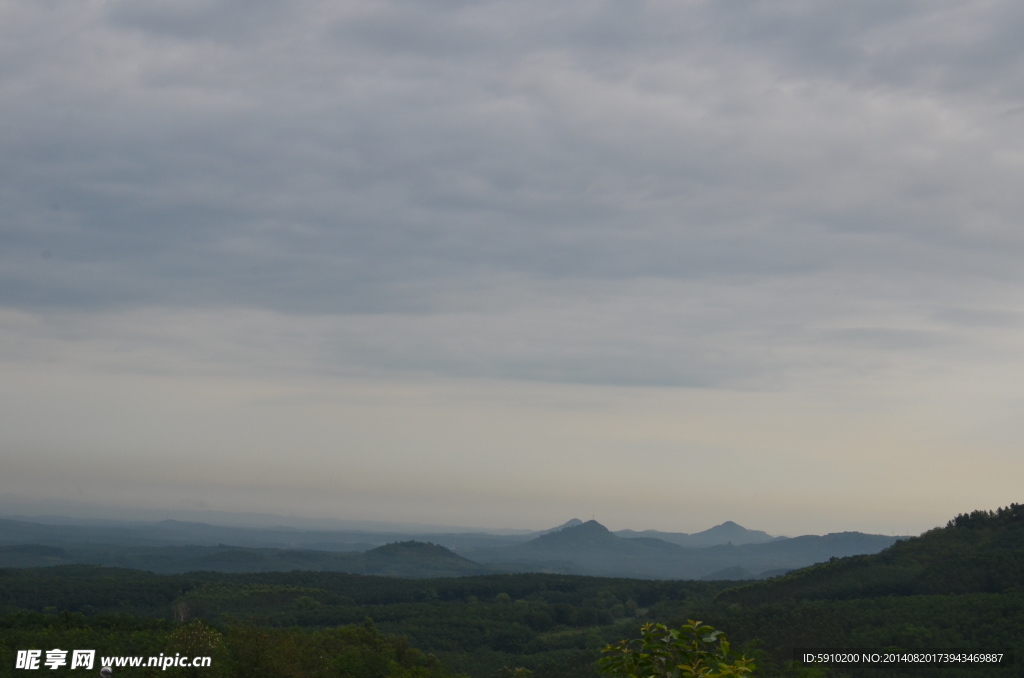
[[980, 552], [416, 559]]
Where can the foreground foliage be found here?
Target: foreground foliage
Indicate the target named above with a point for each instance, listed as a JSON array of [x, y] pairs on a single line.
[[695, 650]]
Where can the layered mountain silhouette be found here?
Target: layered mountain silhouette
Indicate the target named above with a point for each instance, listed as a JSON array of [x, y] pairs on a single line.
[[590, 548], [726, 533], [726, 551]]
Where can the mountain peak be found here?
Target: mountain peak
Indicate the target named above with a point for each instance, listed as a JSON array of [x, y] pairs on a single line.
[[727, 532], [589, 531], [569, 523]]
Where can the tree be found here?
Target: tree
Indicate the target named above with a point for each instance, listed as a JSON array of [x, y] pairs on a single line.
[[691, 651]]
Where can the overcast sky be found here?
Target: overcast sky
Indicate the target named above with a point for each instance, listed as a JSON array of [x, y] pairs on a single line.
[[504, 263]]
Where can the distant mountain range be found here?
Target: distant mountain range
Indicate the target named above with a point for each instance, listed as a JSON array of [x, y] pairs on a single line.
[[726, 533], [590, 548], [726, 551]]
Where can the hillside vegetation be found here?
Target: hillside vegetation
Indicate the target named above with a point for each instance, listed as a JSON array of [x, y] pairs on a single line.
[[956, 587], [981, 552]]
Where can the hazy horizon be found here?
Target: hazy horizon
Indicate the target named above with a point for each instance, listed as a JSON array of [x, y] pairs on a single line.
[[503, 263], [21, 508]]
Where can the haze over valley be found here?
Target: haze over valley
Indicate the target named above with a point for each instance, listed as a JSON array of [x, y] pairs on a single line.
[[726, 551]]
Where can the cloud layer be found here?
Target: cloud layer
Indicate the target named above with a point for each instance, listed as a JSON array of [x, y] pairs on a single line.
[[815, 199]]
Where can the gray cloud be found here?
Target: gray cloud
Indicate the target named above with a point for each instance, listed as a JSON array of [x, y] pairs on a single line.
[[587, 192]]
